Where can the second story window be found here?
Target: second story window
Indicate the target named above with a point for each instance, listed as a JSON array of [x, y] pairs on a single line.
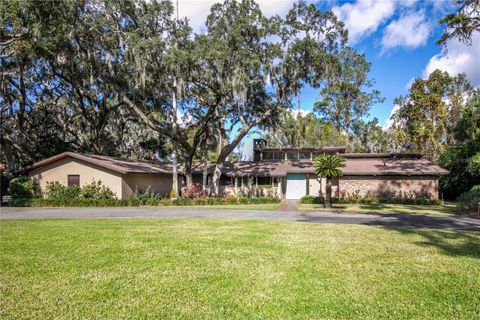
[[292, 155]]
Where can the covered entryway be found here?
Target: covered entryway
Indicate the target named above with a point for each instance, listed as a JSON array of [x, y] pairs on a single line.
[[296, 186]]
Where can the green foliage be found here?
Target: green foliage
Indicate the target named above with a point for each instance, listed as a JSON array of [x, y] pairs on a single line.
[[462, 158], [4, 182], [224, 201], [75, 202], [56, 191], [22, 187], [97, 195], [475, 188], [312, 200], [371, 200], [302, 131], [328, 165], [469, 201], [344, 99], [144, 198], [95, 190], [428, 115], [368, 137], [473, 166], [463, 23]]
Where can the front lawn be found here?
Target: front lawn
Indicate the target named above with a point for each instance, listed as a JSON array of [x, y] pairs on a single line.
[[383, 208], [230, 269], [254, 206]]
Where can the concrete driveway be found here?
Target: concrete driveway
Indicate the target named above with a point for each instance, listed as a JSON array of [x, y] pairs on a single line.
[[390, 220]]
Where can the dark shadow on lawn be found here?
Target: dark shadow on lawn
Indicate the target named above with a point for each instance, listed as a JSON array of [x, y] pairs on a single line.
[[451, 243], [453, 236], [405, 208]]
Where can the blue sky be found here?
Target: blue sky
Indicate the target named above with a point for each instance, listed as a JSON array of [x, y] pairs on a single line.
[[397, 36]]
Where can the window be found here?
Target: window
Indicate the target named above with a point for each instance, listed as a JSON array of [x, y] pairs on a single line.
[[280, 155], [225, 180], [73, 180], [268, 156], [304, 155], [292, 155], [264, 181]]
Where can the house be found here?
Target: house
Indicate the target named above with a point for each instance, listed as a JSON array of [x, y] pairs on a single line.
[[284, 172], [122, 176]]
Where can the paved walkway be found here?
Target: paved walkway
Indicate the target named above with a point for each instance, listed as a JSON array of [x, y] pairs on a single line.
[[289, 205], [388, 220]]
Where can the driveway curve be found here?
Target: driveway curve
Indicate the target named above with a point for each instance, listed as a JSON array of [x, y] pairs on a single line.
[[388, 220]]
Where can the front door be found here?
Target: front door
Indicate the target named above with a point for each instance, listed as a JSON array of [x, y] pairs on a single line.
[[296, 186]]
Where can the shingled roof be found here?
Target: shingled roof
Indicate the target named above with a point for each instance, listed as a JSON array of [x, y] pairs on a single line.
[[119, 165], [362, 166], [359, 167]]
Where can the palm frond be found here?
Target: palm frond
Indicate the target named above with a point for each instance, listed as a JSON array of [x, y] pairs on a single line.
[[328, 165]]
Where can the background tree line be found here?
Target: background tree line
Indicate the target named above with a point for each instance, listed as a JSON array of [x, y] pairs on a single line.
[[128, 78]]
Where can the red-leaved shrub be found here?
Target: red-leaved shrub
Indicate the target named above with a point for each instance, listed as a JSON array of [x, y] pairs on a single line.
[[195, 191]]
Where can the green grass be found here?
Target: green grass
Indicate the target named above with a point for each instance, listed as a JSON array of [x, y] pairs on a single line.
[[254, 206], [233, 269], [442, 210]]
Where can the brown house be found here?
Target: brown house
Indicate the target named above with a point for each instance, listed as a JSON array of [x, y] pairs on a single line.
[[284, 172]]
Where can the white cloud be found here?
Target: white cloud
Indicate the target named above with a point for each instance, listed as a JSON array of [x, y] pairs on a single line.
[[294, 112], [458, 58], [363, 17], [198, 10], [389, 121], [409, 31]]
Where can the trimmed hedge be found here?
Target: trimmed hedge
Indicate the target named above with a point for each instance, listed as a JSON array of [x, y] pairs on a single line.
[[371, 200], [135, 202]]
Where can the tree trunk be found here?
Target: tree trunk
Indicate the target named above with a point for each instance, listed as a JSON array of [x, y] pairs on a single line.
[[188, 172], [227, 148], [328, 193], [174, 143], [216, 178], [205, 172]]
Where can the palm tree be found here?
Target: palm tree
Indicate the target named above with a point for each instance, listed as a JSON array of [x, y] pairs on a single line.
[[328, 166]]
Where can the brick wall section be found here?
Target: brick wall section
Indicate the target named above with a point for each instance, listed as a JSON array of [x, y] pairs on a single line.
[[400, 185]]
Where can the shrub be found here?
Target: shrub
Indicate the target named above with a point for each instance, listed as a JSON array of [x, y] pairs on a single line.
[[4, 182], [312, 200], [345, 198], [75, 202], [147, 197], [469, 201], [195, 191], [475, 188], [95, 190], [136, 199], [368, 200], [22, 187], [56, 190]]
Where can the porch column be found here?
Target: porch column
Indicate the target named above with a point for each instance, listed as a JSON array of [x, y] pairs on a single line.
[[236, 185], [256, 182]]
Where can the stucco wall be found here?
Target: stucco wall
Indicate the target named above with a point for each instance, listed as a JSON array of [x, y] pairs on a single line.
[[60, 170], [159, 183], [400, 185]]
